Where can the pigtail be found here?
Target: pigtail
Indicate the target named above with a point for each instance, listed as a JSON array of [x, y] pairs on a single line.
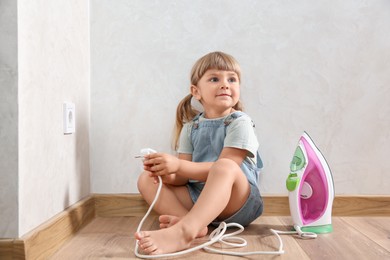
[[238, 106], [184, 113]]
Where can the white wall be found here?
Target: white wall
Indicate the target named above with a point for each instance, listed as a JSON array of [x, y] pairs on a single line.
[[8, 119], [53, 49], [318, 66]]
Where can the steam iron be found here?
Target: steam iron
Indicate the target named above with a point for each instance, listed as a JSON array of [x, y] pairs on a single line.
[[311, 188]]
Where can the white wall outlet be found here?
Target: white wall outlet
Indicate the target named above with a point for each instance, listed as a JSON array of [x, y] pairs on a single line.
[[69, 118]]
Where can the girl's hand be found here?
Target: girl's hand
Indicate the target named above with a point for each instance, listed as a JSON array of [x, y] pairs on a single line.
[[166, 179], [161, 164]]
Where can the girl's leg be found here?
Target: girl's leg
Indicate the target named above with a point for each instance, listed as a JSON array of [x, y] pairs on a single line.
[[225, 192], [177, 197]]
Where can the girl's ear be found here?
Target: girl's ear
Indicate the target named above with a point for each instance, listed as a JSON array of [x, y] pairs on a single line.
[[195, 92]]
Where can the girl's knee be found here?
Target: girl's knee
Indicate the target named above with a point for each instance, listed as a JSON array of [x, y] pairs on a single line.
[[226, 167], [144, 181]]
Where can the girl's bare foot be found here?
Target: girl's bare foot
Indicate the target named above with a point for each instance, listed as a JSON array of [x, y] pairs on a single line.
[[167, 221], [167, 240]]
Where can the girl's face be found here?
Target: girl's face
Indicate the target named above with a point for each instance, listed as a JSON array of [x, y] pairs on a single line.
[[218, 91]]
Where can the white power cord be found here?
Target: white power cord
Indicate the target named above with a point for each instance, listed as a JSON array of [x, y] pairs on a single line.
[[218, 235]]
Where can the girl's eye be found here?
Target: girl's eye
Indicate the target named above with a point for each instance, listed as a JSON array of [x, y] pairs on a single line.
[[232, 79], [214, 79]]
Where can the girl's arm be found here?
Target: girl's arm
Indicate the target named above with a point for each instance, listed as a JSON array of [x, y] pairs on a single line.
[[162, 164], [183, 168], [200, 170], [235, 154]]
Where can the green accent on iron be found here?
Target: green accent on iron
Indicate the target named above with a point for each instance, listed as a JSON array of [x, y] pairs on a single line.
[[318, 229], [298, 161], [292, 181]]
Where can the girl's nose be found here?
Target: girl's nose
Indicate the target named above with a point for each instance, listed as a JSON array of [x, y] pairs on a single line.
[[225, 85]]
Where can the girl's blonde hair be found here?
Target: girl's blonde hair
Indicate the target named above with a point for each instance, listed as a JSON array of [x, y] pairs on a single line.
[[214, 60]]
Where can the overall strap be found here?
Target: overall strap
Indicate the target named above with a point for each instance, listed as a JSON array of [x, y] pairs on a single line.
[[196, 121], [233, 116]]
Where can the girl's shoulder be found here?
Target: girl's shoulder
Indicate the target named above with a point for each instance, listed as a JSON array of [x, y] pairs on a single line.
[[238, 114], [241, 116], [240, 119]]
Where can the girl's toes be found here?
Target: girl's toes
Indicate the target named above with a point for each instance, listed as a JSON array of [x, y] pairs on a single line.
[[145, 244], [163, 225], [151, 248]]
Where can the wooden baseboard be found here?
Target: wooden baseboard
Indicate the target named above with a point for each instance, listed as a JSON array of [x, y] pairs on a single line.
[[46, 239], [12, 249], [343, 205], [43, 241], [114, 205], [117, 205]]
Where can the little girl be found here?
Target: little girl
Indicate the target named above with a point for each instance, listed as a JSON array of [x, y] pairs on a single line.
[[214, 177]]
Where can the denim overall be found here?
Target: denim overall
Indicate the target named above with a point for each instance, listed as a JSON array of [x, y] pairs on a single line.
[[207, 138]]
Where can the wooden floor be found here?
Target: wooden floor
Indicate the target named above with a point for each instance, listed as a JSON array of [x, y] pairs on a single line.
[[352, 238]]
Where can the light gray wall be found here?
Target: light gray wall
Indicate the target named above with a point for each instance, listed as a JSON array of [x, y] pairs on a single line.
[[318, 66], [53, 68], [45, 59], [8, 119]]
